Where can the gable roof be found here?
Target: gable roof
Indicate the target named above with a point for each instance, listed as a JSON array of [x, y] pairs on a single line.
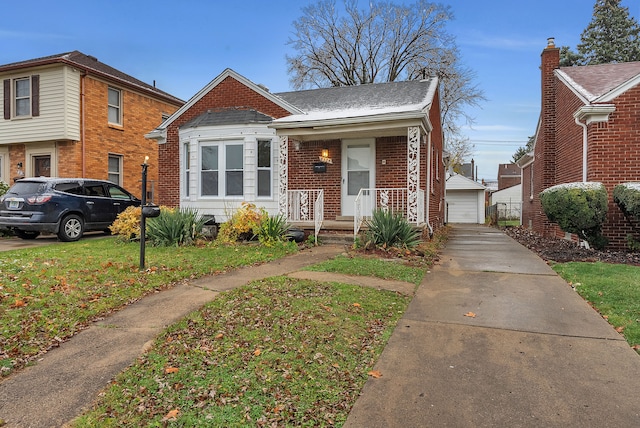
[[409, 99], [215, 82], [91, 65], [600, 83], [459, 182]]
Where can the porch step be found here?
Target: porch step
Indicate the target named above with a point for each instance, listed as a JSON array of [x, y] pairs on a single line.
[[335, 237]]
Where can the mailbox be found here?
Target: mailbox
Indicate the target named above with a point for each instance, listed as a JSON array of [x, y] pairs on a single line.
[[151, 211]]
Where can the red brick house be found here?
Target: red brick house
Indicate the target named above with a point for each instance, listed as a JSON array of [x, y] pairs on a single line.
[[508, 175], [315, 156], [70, 115], [589, 130]]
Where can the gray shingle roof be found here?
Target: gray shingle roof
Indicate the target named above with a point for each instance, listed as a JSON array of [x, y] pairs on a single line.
[[230, 116], [369, 96]]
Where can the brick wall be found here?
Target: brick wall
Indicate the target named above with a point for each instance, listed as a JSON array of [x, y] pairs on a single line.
[[228, 93], [140, 114], [301, 175], [436, 199]]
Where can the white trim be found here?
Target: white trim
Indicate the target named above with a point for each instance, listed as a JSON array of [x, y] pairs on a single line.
[[160, 132]]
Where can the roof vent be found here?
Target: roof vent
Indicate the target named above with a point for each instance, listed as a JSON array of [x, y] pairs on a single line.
[[263, 87], [92, 57]]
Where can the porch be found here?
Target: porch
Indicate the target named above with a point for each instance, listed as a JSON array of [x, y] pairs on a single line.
[[305, 210]]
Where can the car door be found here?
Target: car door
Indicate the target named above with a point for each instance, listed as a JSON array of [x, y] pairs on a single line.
[[120, 199], [98, 204]]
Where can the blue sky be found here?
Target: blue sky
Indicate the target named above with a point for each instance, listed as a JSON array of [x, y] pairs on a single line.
[[183, 45]]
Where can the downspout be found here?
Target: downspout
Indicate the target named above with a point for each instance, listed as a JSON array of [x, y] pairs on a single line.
[[584, 149], [82, 107]]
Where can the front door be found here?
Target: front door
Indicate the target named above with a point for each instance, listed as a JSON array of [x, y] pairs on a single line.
[[358, 171]]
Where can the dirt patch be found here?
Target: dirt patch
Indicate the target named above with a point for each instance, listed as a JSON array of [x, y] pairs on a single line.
[[562, 250]]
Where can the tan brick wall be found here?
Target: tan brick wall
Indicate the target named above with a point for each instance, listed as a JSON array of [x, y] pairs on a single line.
[[140, 114]]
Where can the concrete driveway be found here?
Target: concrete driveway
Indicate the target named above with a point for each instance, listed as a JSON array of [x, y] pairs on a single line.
[[15, 243]]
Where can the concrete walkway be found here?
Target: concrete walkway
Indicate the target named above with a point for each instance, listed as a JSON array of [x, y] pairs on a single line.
[[494, 338]]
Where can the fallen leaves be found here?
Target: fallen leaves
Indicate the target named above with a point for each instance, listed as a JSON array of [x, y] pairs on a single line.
[[172, 415], [170, 370], [470, 315], [376, 374]]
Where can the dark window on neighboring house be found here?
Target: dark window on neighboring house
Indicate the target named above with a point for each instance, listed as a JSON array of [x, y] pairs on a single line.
[[21, 97]]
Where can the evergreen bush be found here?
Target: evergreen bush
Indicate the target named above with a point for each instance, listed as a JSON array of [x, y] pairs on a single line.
[[627, 196], [579, 208]]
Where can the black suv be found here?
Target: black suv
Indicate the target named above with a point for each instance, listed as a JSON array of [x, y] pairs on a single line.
[[65, 206]]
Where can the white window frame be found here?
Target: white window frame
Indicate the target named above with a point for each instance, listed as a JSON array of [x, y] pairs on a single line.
[[118, 173], [186, 161], [264, 168], [116, 107], [222, 169], [16, 98]]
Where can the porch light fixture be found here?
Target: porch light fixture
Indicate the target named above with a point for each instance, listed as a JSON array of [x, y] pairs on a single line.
[[324, 156]]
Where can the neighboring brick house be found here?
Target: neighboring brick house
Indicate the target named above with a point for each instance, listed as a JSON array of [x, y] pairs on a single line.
[[69, 115], [508, 175], [305, 154], [589, 130]]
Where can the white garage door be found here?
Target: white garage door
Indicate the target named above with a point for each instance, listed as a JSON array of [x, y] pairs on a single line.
[[463, 206]]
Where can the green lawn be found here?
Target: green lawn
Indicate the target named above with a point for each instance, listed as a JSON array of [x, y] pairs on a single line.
[[613, 290], [49, 293]]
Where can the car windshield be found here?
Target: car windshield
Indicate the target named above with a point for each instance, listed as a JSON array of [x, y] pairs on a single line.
[[27, 188]]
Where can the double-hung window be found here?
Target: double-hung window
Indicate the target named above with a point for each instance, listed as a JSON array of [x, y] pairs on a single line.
[[21, 97], [264, 169], [22, 91], [222, 169], [115, 106], [115, 169]]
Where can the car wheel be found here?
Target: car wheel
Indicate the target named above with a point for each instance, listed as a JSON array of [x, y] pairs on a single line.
[[27, 234], [71, 228]]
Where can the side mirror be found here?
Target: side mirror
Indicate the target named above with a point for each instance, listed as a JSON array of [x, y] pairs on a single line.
[[150, 211]]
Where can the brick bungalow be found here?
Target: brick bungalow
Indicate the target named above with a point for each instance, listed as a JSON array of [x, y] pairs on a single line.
[[316, 156], [70, 115], [589, 130]]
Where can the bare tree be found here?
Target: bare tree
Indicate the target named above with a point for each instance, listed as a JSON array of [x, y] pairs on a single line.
[[384, 43]]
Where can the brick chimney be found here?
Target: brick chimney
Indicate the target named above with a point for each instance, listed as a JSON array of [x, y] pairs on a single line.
[[550, 62], [545, 148]]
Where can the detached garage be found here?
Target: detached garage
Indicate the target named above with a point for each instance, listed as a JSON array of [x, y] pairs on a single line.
[[465, 200]]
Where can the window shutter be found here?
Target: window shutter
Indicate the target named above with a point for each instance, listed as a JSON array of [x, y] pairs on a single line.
[[35, 95], [7, 99]]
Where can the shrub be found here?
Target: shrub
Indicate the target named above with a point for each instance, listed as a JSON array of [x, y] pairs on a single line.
[[579, 208], [3, 187], [388, 229], [127, 224], [243, 224], [175, 227], [627, 196], [272, 230]]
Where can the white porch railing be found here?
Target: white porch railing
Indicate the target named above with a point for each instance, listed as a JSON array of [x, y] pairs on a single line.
[[396, 200], [306, 205]]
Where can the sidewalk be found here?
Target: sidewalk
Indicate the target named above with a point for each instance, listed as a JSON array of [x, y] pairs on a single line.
[[67, 379], [494, 338]]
